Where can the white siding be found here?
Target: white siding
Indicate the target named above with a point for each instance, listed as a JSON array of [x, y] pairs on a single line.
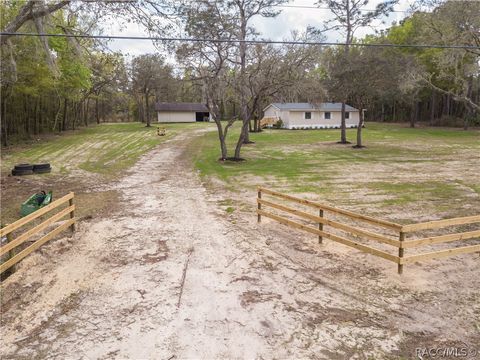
[[272, 111], [296, 119], [176, 116]]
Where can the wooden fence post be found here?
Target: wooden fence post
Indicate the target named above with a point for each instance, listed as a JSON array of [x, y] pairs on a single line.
[[401, 252], [11, 253], [320, 227], [72, 215], [259, 206]]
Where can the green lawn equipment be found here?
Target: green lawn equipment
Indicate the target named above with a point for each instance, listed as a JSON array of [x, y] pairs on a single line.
[[35, 202]]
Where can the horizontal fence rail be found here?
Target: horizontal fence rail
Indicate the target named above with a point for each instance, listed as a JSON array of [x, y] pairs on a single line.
[[12, 244], [399, 241]]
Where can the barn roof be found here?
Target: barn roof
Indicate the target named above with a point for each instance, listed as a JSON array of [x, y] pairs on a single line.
[[181, 107], [309, 106]]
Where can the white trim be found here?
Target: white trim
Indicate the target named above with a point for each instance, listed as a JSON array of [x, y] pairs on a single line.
[[313, 108], [312, 127], [276, 107]]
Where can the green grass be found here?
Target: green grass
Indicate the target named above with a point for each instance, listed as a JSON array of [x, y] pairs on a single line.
[[399, 166], [104, 149], [80, 159], [311, 161]]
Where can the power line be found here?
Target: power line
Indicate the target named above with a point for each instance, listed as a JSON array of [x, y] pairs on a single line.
[[327, 8], [282, 42]]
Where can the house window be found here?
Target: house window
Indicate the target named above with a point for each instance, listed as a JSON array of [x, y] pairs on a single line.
[[308, 115], [347, 115], [327, 116]]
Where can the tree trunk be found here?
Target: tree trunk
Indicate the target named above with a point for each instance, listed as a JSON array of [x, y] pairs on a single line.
[[241, 140], [470, 109], [96, 111], [85, 114], [361, 122], [57, 114], [75, 114], [432, 109], [4, 124], [466, 119], [221, 137], [414, 114], [382, 117], [27, 115], [448, 104], [256, 125], [29, 12], [394, 115], [64, 120], [147, 110], [35, 117], [40, 116], [244, 135], [343, 126], [102, 117]]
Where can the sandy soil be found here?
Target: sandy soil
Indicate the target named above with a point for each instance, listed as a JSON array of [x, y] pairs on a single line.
[[173, 276]]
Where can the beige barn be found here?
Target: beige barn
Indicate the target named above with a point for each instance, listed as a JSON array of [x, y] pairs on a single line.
[[312, 116], [181, 112]]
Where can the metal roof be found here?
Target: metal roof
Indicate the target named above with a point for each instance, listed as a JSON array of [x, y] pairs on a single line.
[[181, 107], [309, 106]]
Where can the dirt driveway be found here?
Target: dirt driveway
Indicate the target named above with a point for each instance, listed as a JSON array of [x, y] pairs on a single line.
[[173, 276]]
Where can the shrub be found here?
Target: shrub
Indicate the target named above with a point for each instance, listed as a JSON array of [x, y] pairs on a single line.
[[278, 124]]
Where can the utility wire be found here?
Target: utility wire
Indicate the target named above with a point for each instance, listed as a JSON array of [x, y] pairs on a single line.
[[327, 8], [282, 42]]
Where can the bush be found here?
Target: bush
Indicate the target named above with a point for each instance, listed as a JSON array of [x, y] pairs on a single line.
[[278, 124]]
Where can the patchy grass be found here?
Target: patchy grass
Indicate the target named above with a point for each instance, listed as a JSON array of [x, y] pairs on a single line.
[[400, 166], [105, 149], [82, 161], [408, 192]]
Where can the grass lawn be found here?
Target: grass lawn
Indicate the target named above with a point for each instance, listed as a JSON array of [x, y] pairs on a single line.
[[104, 149], [404, 174], [82, 161], [402, 170]]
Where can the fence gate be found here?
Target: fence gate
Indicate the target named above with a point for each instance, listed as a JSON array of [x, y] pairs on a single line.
[[12, 244]]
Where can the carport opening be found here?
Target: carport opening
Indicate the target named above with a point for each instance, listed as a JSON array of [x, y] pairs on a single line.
[[201, 116]]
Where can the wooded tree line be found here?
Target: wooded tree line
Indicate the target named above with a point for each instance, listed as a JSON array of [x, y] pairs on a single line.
[[55, 84]]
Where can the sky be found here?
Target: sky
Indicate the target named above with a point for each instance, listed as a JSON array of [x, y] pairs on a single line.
[[294, 16]]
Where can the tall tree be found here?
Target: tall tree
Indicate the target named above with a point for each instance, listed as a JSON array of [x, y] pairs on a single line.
[[348, 17], [244, 11], [32, 10], [208, 61], [147, 74], [278, 70], [455, 22]]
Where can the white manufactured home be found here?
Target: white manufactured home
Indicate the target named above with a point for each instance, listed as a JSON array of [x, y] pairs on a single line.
[[312, 116], [181, 112]]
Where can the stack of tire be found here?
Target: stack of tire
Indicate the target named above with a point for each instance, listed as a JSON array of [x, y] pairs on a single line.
[[28, 169]]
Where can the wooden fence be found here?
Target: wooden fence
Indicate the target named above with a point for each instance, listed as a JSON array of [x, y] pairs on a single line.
[[11, 244], [397, 239]]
